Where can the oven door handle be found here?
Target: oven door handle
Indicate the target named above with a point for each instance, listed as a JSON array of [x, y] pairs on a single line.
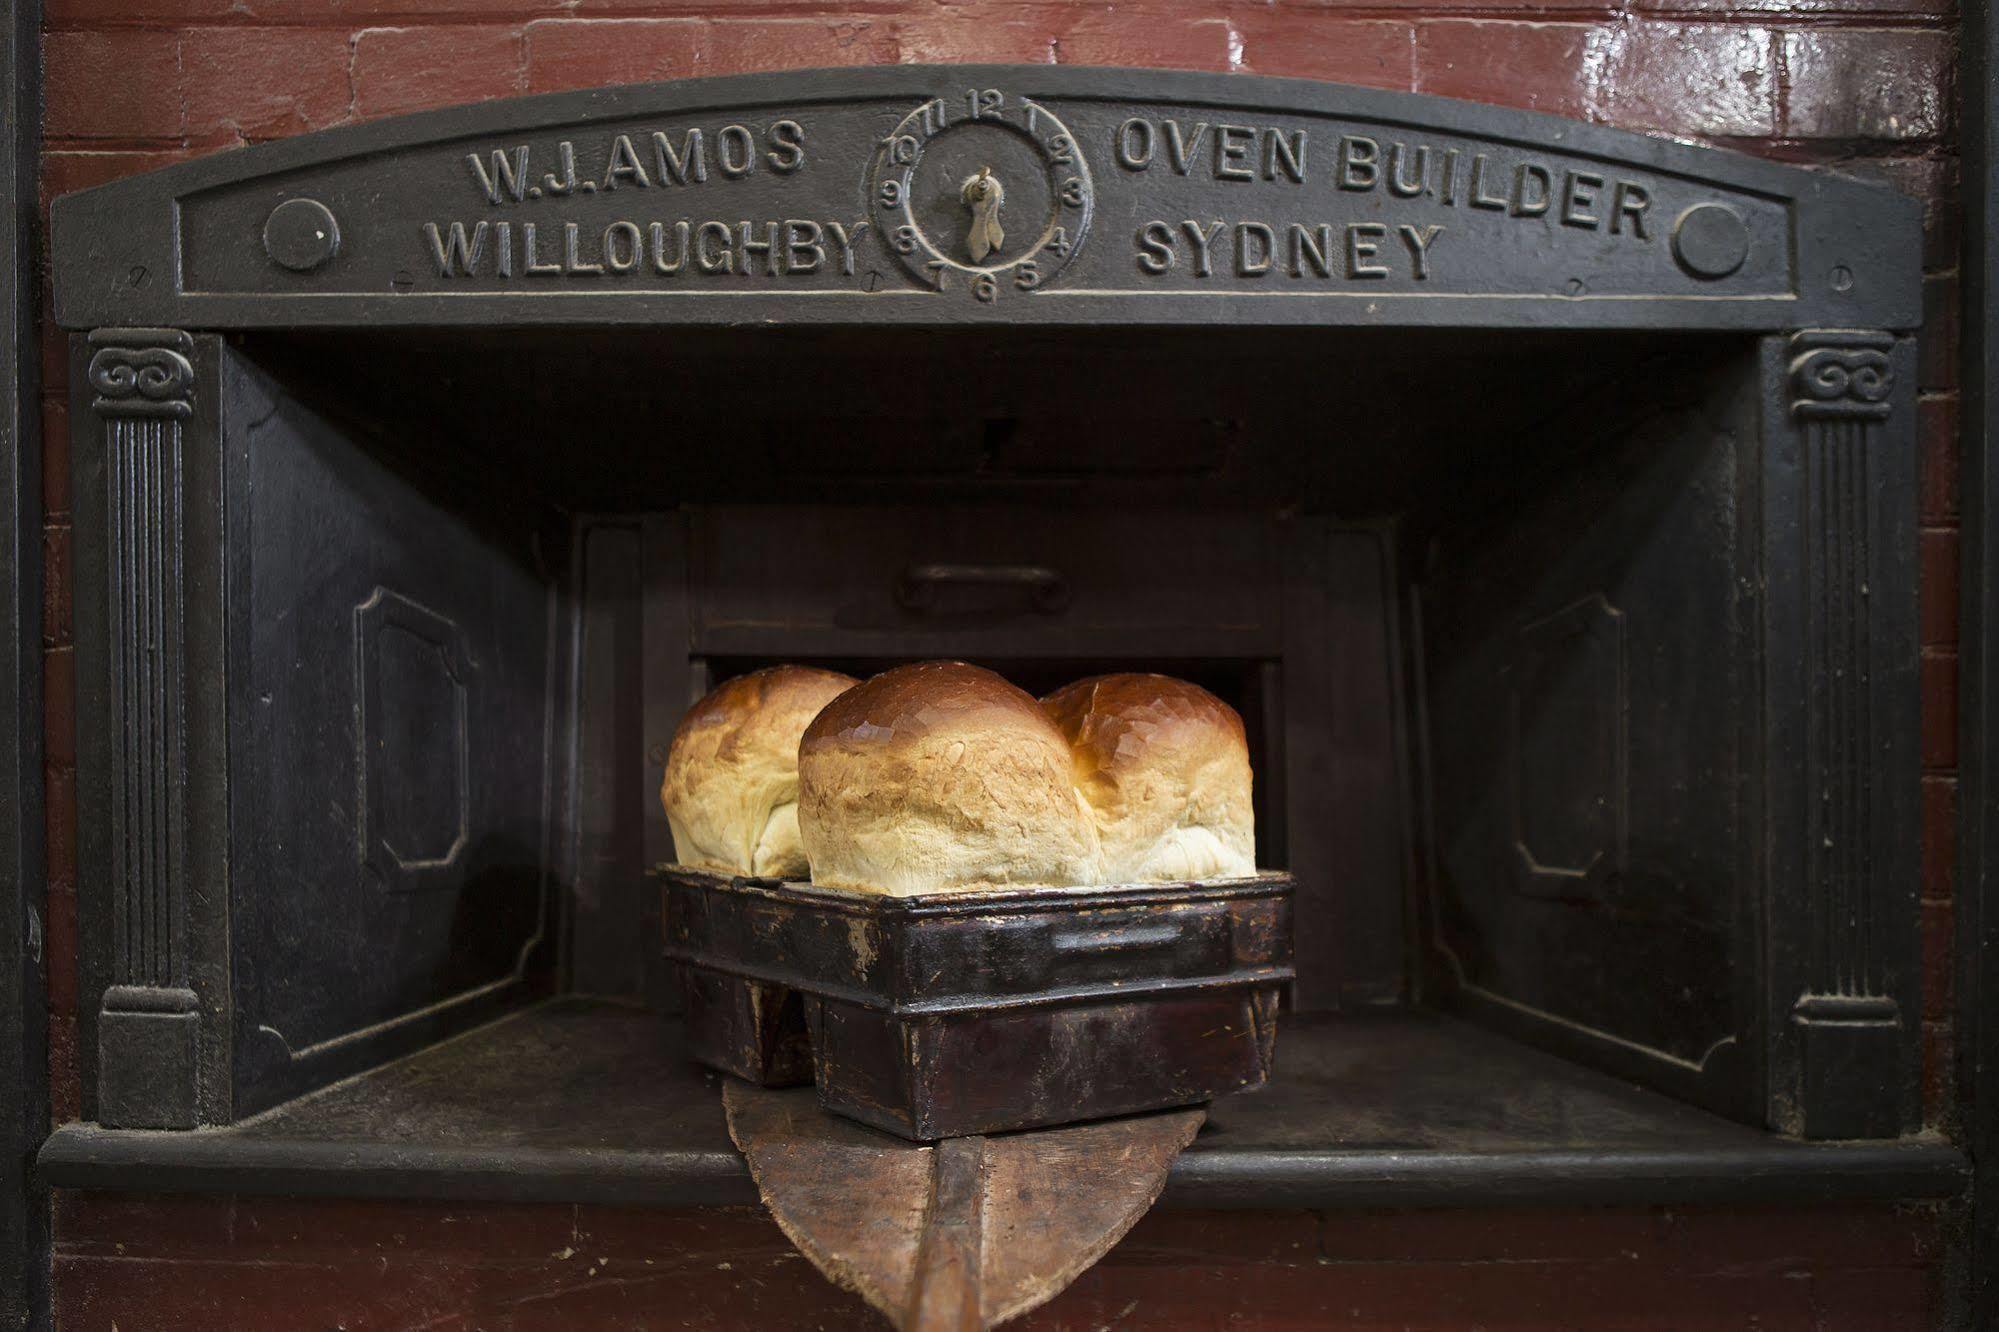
[[1047, 590]]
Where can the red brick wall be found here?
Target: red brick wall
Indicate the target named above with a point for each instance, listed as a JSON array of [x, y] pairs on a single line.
[[1861, 85], [257, 1264]]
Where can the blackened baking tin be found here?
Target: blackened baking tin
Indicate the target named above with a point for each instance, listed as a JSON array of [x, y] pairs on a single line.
[[979, 1012]]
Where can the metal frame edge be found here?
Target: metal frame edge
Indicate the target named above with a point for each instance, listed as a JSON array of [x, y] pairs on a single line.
[[1977, 887], [24, 1210]]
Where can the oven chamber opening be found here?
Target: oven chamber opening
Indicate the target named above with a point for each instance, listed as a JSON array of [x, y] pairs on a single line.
[[1488, 606]]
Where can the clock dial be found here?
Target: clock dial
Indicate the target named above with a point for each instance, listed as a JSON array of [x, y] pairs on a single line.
[[983, 192]]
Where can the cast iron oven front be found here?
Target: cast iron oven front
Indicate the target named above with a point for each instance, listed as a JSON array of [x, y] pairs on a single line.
[[426, 470]]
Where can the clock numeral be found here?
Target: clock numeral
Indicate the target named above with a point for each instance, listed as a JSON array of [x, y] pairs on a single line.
[[1062, 150], [986, 287], [1058, 244], [891, 194], [901, 148], [1072, 192], [904, 240], [934, 116], [985, 102], [1026, 276], [938, 268]]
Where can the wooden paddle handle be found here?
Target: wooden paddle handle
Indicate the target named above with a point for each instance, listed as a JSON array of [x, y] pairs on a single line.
[[944, 1297]]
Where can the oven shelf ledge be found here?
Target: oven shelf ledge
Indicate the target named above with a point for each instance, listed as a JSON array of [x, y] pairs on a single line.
[[581, 1100]]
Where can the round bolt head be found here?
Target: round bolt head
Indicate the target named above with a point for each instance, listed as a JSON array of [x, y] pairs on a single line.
[[1710, 240], [301, 235]]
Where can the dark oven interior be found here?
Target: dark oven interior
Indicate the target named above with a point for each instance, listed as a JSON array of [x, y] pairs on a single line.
[[1480, 598]]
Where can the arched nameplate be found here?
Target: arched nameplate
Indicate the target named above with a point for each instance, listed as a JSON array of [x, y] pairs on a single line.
[[944, 195]]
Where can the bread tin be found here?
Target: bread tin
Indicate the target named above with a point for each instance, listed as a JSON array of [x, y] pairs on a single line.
[[950, 1014]]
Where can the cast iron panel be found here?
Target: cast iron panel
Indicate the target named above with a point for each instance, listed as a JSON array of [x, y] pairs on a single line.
[[983, 193], [969, 580], [391, 831], [1566, 770], [411, 672], [1591, 668]]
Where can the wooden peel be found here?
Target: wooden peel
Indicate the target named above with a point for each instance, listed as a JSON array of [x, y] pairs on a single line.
[[962, 1235]]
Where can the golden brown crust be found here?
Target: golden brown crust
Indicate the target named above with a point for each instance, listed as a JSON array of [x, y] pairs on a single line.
[[731, 778], [1103, 715], [1164, 767], [770, 691], [903, 705], [936, 776]]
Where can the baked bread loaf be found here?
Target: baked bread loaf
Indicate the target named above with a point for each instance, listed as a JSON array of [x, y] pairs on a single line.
[[731, 786], [940, 776], [1164, 768]]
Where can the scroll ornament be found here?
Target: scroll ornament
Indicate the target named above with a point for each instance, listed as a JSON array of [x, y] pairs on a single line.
[[142, 381], [1842, 373]]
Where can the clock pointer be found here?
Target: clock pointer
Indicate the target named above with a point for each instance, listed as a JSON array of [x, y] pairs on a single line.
[[983, 195]]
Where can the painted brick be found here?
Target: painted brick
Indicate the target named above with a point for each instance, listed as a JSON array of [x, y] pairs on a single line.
[[1936, 347], [1816, 9], [240, 1286], [196, 1262], [1372, 54], [55, 458], [150, 13], [740, 46], [948, 38], [1939, 1078], [1878, 1300], [59, 948], [66, 170], [58, 626], [1938, 673], [632, 1234], [186, 1293], [1166, 1236], [464, 1234], [65, 1083], [1704, 79], [121, 84], [1744, 1239], [411, 69], [583, 53], [1939, 837], [59, 825], [1933, 180], [1120, 36], [1784, 1239], [59, 707], [1938, 554], [1507, 8], [1937, 439], [1876, 83], [1939, 960], [386, 13], [1536, 66], [265, 82], [1194, 1293], [54, 345], [269, 13], [783, 1293], [143, 1225], [982, 10], [1481, 1236]]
